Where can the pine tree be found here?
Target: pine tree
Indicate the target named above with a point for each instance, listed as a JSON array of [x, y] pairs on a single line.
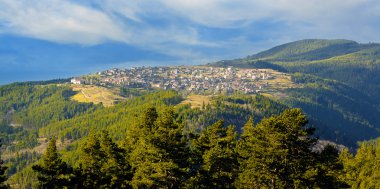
[[248, 129], [52, 172], [116, 168], [363, 169], [169, 136], [329, 169], [3, 176], [216, 158], [157, 150], [245, 148], [277, 153], [91, 161], [280, 152]]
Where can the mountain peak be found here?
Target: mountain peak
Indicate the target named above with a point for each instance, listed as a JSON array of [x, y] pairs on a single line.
[[308, 49]]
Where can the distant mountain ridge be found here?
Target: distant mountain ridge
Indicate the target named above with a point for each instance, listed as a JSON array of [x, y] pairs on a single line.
[[341, 79], [347, 61], [309, 49]]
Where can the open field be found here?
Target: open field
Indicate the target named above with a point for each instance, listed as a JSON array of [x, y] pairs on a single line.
[[95, 94], [196, 101], [280, 80]]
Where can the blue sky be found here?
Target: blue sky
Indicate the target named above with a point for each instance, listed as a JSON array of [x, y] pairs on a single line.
[[46, 39]]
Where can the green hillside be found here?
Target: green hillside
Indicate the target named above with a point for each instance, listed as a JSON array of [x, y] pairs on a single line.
[[33, 113], [341, 82], [352, 63], [338, 88], [309, 49]]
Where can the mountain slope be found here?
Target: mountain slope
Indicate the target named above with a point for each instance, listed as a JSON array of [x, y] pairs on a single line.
[[355, 64], [309, 49], [341, 83]]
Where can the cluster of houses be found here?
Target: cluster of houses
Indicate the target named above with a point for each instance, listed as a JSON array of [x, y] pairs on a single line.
[[202, 79]]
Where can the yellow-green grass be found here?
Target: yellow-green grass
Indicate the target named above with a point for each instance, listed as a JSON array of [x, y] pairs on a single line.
[[40, 148], [196, 101], [95, 94], [279, 81]]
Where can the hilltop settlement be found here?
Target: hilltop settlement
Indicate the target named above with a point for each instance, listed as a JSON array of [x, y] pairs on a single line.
[[196, 79]]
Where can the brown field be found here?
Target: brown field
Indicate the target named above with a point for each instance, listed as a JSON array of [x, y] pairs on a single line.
[[196, 101], [96, 95]]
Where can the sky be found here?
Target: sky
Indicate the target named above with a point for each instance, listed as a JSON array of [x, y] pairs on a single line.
[[47, 39]]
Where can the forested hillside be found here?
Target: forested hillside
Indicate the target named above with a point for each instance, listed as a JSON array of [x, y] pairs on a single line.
[[33, 113], [355, 64], [156, 139], [341, 84], [278, 152]]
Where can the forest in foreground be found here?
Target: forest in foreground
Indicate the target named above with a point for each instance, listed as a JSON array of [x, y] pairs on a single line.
[[278, 152], [158, 139]]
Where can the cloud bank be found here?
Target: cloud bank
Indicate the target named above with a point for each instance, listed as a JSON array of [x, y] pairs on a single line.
[[191, 29]]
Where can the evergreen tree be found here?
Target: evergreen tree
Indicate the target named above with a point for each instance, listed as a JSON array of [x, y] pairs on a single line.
[[363, 169], [52, 172], [157, 151], [91, 161], [281, 156], [169, 136], [3, 176], [245, 148], [216, 158], [116, 168], [329, 169]]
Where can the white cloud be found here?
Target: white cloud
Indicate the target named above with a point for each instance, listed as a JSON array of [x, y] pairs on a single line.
[[76, 22], [226, 13], [179, 26], [59, 21]]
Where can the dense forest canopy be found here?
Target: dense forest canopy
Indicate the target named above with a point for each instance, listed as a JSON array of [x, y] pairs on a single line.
[[341, 83], [278, 152]]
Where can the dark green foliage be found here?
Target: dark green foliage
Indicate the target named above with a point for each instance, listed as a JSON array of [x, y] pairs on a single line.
[[309, 49], [21, 160], [92, 159], [336, 108], [29, 107], [3, 175], [116, 169], [216, 162], [345, 104], [277, 153], [102, 164], [132, 92], [329, 169], [182, 147], [36, 105], [116, 119], [158, 151], [52, 172], [234, 110]]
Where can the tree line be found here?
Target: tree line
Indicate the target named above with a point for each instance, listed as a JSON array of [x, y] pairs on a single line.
[[157, 153], [278, 152]]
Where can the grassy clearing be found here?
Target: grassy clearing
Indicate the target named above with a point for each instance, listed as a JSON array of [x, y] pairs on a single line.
[[96, 95], [40, 148], [280, 81], [196, 101]]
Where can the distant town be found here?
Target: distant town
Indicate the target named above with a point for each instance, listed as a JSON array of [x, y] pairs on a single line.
[[197, 79]]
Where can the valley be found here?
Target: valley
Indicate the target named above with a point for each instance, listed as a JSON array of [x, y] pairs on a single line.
[[322, 78]]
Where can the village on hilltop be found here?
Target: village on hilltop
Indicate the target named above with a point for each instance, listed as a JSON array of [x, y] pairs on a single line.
[[197, 79]]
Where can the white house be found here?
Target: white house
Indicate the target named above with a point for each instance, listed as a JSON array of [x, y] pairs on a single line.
[[76, 81]]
